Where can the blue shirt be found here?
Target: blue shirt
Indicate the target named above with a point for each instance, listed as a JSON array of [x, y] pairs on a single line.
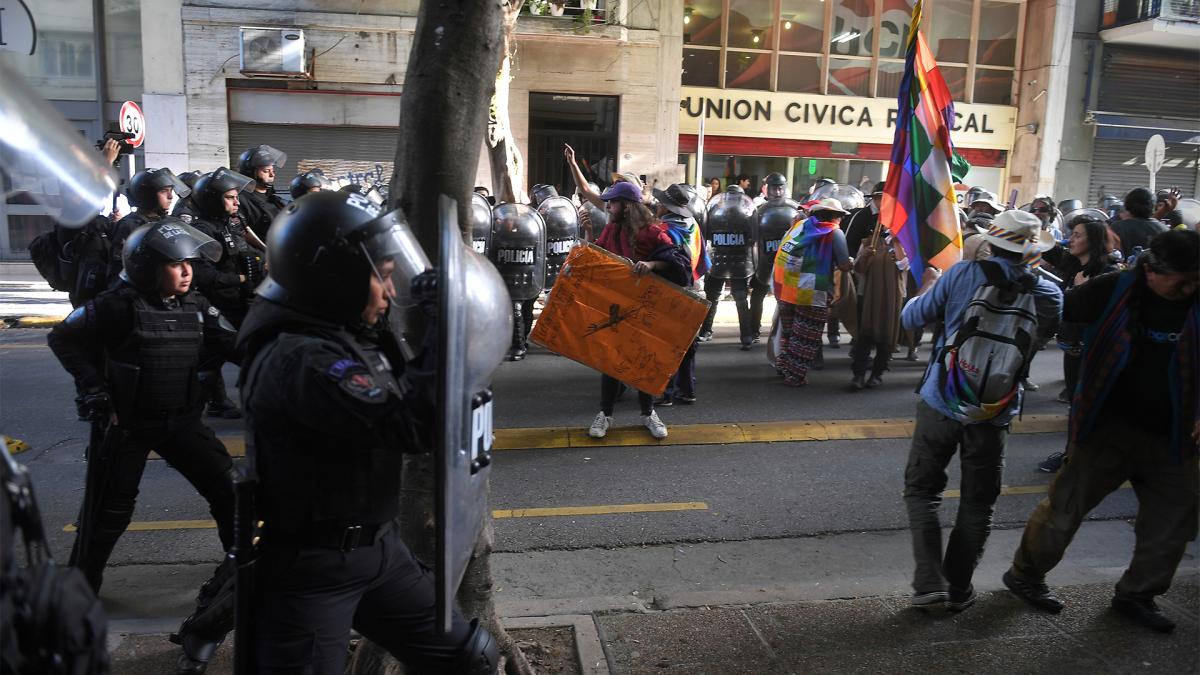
[[948, 299]]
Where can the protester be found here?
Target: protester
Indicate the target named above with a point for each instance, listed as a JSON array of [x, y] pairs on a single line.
[[803, 286], [633, 233], [674, 212], [947, 422], [1134, 418], [982, 210], [1139, 228], [880, 266], [714, 187]]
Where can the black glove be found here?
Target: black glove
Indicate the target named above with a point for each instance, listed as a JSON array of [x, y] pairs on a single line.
[[424, 289], [95, 406]]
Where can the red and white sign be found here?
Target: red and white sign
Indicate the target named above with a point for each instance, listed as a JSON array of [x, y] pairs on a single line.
[[133, 122]]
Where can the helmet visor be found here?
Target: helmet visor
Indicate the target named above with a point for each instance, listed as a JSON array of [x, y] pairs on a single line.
[[226, 180], [168, 179], [46, 161], [265, 155], [176, 240], [395, 255]]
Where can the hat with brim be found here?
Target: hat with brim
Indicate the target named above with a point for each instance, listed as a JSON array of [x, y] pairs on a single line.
[[990, 201], [1019, 232], [669, 202], [622, 190], [619, 176], [828, 204]]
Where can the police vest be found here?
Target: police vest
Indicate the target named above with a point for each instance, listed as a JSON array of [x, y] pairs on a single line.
[[307, 475], [154, 372]]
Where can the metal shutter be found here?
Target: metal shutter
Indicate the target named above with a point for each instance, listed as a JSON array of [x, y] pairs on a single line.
[[1159, 83], [1118, 166], [330, 148]]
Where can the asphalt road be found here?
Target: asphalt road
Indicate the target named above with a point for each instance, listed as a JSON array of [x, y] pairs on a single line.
[[731, 492]]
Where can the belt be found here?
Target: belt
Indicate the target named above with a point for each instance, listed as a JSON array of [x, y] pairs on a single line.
[[344, 538]]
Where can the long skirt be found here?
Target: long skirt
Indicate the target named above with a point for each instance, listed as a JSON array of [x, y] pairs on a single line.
[[800, 328]]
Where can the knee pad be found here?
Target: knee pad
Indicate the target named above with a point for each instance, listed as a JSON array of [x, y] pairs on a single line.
[[479, 655]]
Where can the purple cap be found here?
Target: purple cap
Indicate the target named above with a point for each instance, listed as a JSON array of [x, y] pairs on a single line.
[[622, 190]]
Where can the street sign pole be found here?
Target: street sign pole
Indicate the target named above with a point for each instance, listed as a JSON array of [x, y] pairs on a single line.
[[1156, 154]]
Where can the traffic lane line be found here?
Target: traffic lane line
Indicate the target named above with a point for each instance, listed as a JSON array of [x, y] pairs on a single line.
[[551, 438], [498, 514], [1011, 490]]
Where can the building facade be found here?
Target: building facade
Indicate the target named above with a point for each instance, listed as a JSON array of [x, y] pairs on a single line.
[[1052, 96]]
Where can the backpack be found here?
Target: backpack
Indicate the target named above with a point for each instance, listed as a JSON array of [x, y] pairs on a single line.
[[53, 621], [984, 361], [48, 255]]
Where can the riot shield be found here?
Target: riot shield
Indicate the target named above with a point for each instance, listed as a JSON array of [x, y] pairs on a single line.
[[562, 233], [473, 308], [732, 230], [519, 249], [481, 224], [43, 159], [775, 218]]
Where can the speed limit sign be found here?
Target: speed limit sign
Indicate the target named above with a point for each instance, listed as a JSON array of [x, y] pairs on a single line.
[[133, 122]]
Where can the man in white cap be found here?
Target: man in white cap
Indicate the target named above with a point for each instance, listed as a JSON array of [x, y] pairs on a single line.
[[982, 210], [950, 415]]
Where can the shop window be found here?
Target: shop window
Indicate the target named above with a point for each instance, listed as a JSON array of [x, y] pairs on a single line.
[[747, 70], [702, 22], [123, 46], [63, 64], [849, 77], [802, 26], [950, 31], [701, 67], [998, 24], [893, 30], [890, 75], [751, 24], [993, 85], [800, 74], [852, 32], [956, 81]]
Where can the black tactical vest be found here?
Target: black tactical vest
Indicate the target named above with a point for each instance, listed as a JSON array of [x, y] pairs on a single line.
[[308, 477], [154, 370]]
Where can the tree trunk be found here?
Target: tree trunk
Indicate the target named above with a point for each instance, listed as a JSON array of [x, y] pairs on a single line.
[[508, 170], [456, 53]]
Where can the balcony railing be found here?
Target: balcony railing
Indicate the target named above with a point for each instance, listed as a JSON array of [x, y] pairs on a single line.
[[1123, 12]]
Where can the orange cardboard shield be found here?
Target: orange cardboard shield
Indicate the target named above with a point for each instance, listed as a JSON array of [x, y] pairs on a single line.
[[633, 328]]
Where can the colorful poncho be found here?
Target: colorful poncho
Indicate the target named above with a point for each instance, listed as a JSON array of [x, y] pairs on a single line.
[[686, 234], [804, 264]]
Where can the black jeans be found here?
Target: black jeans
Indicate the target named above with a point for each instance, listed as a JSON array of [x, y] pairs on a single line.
[[935, 440], [739, 288], [860, 355], [308, 599], [758, 291], [188, 446], [610, 387]]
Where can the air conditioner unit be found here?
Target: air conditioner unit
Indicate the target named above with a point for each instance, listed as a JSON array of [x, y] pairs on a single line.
[[273, 52]]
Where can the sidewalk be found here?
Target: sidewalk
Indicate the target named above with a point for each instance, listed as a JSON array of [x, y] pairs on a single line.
[[834, 604], [30, 304]]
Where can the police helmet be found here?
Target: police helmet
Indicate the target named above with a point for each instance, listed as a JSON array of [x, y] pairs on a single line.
[[144, 186], [209, 194], [540, 193], [775, 178], [1068, 205], [258, 157], [322, 250], [189, 178], [304, 183], [167, 239]]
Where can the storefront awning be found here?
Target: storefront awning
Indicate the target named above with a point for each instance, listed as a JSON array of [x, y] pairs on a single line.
[[1135, 128], [788, 147]]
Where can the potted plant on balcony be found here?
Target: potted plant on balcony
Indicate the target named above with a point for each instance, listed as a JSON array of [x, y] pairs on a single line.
[[539, 7], [557, 8]]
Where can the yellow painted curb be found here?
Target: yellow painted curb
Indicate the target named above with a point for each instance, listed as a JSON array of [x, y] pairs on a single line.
[[39, 321], [15, 445]]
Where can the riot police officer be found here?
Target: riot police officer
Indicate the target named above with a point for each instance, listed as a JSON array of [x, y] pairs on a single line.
[[323, 371], [732, 232], [261, 204], [185, 208], [775, 217], [309, 181], [519, 253], [153, 333], [150, 192]]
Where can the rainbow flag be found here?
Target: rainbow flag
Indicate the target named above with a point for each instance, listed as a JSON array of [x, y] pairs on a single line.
[[918, 200]]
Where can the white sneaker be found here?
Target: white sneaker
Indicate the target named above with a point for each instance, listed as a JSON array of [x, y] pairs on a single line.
[[599, 425], [655, 425]]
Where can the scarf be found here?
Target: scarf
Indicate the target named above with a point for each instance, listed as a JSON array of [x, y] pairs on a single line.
[[1108, 346], [804, 265], [686, 234]]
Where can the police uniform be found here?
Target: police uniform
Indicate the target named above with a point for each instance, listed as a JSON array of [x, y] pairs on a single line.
[[221, 282], [145, 352], [258, 209], [330, 411]]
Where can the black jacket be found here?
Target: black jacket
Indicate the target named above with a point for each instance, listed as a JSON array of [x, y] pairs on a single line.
[[258, 209], [1136, 232]]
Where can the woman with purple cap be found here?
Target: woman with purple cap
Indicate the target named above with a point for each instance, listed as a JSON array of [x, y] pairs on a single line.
[[632, 232]]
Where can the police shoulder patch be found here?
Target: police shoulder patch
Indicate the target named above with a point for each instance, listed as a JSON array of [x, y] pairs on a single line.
[[353, 378]]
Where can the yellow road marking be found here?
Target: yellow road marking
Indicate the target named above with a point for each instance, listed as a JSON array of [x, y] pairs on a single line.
[[543, 512], [1009, 490], [547, 438], [22, 345]]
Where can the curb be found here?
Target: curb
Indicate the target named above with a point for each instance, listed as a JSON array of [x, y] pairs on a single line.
[[33, 321], [588, 648]]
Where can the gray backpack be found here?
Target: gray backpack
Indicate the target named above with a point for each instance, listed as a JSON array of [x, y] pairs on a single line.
[[984, 362]]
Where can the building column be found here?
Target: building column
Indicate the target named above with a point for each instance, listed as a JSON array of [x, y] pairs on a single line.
[[163, 99], [1042, 97], [665, 164]]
